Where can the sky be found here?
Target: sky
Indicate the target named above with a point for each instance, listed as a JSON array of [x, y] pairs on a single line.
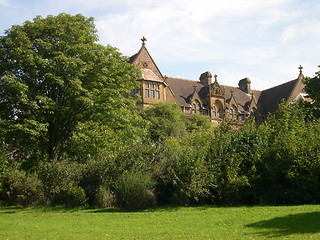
[[265, 40]]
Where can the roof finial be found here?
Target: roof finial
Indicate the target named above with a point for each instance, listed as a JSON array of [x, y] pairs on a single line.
[[215, 78], [143, 39], [300, 68]]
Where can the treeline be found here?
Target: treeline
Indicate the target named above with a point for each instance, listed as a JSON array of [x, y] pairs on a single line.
[[180, 160], [70, 133]]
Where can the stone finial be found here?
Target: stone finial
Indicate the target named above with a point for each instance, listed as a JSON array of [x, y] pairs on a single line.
[[300, 68], [143, 39]]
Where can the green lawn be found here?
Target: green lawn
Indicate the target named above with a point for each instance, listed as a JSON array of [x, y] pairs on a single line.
[[296, 222]]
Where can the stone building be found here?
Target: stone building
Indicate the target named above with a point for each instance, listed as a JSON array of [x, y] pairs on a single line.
[[207, 96]]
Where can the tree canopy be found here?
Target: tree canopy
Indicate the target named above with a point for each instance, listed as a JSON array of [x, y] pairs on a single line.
[[54, 75], [312, 87]]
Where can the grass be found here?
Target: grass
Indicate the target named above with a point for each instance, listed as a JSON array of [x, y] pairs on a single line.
[[293, 222]]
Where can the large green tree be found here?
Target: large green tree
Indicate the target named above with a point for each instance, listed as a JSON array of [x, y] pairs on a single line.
[[53, 76], [312, 87]]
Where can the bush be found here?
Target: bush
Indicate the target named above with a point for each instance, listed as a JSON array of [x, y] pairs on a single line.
[[104, 198], [71, 197], [93, 176], [21, 188], [184, 176], [167, 120], [134, 191], [61, 183]]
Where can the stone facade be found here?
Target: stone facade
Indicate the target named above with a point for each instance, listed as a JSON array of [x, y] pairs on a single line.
[[207, 96]]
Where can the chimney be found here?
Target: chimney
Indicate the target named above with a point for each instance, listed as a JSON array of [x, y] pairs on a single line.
[[245, 85], [206, 78]]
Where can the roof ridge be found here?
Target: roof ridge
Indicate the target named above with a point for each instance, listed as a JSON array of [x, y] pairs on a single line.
[[239, 88], [281, 84], [184, 79]]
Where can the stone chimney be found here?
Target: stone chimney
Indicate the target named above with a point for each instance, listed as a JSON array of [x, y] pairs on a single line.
[[245, 85], [206, 78]]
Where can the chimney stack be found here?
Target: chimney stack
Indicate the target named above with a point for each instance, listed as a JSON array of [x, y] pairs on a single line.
[[245, 85], [206, 78]]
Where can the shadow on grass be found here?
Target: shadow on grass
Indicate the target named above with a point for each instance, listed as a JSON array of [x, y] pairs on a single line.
[[88, 209], [121, 210], [10, 210], [19, 209], [303, 223]]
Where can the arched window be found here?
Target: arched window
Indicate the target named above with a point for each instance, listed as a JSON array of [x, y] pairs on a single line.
[[217, 110], [196, 107], [233, 112]]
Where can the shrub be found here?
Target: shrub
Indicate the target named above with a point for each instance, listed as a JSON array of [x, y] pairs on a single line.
[[61, 183], [183, 177], [71, 197], [104, 198], [21, 188], [134, 190], [166, 119], [93, 176]]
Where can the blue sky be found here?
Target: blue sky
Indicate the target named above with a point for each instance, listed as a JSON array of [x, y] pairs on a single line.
[[265, 40]]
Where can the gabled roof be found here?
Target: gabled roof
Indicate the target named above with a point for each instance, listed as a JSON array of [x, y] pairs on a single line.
[[243, 99], [147, 74], [272, 97], [194, 95], [183, 89], [143, 57]]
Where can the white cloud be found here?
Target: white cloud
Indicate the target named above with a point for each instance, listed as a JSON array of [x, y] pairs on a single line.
[[306, 29], [191, 22], [236, 37], [262, 40], [4, 3]]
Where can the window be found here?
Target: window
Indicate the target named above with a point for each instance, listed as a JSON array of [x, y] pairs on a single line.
[[152, 90], [196, 107], [233, 112], [217, 110]]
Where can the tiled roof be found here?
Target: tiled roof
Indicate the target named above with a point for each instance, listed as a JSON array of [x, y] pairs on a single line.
[[184, 88], [132, 58], [147, 74], [242, 98], [272, 97]]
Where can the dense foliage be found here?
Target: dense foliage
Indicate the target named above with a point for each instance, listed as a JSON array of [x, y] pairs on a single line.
[[69, 136], [277, 162], [54, 76]]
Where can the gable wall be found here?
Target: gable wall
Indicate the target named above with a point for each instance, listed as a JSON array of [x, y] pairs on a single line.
[[144, 60]]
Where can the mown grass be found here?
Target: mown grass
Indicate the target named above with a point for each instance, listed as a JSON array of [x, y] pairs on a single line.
[[294, 222]]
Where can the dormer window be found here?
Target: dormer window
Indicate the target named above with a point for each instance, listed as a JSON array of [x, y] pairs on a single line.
[[196, 107], [233, 112]]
